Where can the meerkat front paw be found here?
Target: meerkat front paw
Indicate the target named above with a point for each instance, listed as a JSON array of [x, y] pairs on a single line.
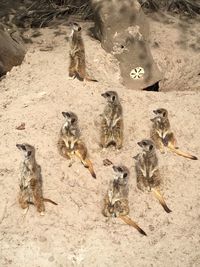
[[24, 211], [72, 77], [42, 213]]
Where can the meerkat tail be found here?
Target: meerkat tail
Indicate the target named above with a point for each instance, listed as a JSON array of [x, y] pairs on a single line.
[[161, 200], [50, 201], [130, 222], [88, 164], [87, 78], [181, 153], [45, 200]]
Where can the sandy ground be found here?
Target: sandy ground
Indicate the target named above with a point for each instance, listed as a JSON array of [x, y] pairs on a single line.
[[74, 233]]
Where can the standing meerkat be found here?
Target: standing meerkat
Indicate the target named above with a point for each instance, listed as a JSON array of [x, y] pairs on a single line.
[[162, 135], [70, 143], [31, 180], [116, 200], [147, 171], [77, 67], [112, 121]]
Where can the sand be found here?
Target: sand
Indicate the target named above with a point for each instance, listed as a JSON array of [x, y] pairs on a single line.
[[74, 233]]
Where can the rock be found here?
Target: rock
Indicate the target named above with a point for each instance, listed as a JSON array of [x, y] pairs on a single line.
[[123, 30], [12, 50]]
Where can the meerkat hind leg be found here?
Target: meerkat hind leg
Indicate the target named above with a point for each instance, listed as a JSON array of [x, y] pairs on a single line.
[[72, 68]]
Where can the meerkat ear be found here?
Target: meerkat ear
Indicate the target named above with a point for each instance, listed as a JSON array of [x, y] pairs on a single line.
[[151, 147], [73, 120], [29, 153], [113, 98], [125, 175]]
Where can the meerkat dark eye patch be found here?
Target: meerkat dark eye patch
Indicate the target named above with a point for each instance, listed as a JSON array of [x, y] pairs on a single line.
[[119, 169], [113, 98], [150, 147], [144, 143], [164, 114], [66, 114], [23, 147], [73, 120], [79, 28], [107, 94], [29, 153]]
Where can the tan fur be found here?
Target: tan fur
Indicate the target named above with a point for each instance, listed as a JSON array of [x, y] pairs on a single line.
[[112, 121], [31, 180], [77, 67], [162, 135], [70, 143], [116, 200], [147, 171]]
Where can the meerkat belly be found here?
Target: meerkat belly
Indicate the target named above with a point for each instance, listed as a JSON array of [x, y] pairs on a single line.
[[70, 144], [25, 186]]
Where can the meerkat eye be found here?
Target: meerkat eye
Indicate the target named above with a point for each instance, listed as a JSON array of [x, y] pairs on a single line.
[[113, 98], [122, 46], [107, 94], [144, 143], [125, 175], [158, 111]]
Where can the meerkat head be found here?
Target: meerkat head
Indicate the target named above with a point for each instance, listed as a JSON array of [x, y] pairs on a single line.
[[110, 96], [121, 174], [161, 112], [147, 145], [75, 27], [71, 120], [27, 150]]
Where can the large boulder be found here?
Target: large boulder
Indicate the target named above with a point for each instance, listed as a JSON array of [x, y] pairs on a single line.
[[12, 50], [123, 30]]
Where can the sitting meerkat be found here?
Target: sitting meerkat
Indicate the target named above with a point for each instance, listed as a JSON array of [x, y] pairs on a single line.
[[162, 135], [147, 171], [70, 143], [31, 180], [116, 200], [112, 121], [77, 67]]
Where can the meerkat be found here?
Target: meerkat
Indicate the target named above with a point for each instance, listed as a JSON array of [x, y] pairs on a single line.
[[147, 171], [77, 67], [30, 182], [112, 121], [162, 135], [70, 143], [116, 200]]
